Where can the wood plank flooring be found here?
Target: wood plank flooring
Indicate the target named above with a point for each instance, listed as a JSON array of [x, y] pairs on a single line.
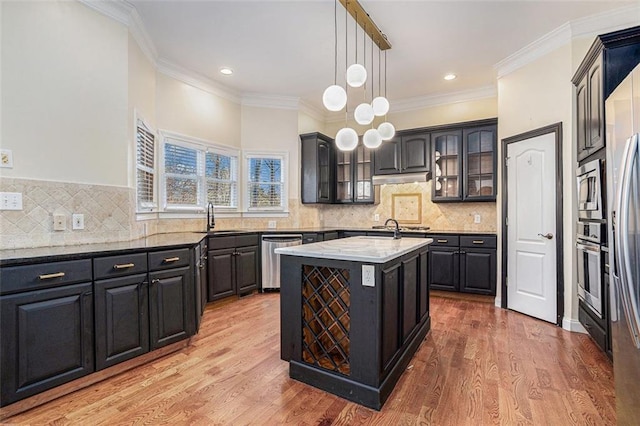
[[478, 365]]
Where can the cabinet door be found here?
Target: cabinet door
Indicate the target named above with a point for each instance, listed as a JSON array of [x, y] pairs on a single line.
[[171, 306], [122, 319], [317, 171], [582, 119], [480, 163], [220, 266], [387, 157], [478, 271], [416, 153], [444, 265], [410, 290], [363, 171], [595, 138], [344, 177], [447, 166], [247, 269], [47, 340], [324, 171]]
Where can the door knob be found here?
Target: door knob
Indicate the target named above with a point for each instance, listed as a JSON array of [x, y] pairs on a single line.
[[548, 236]]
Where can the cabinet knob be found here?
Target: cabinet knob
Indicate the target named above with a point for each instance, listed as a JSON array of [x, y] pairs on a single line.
[[155, 280]]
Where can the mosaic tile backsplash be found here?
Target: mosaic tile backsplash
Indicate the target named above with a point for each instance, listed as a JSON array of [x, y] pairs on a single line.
[[109, 214]]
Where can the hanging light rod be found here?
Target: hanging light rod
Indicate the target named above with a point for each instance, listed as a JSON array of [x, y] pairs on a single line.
[[364, 20]]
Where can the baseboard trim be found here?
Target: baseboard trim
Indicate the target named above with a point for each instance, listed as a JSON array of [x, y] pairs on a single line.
[[573, 325]]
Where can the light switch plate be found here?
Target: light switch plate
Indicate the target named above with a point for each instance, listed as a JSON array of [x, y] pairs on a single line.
[[368, 275], [476, 218], [10, 200]]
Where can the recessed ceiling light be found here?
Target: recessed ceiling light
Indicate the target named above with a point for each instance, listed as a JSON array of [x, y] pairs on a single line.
[[226, 71], [450, 76]]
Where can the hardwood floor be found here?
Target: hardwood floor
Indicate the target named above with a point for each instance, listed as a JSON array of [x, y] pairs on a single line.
[[478, 365]]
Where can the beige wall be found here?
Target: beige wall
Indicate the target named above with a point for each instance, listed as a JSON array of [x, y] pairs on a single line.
[[309, 124], [185, 109], [534, 96], [65, 119]]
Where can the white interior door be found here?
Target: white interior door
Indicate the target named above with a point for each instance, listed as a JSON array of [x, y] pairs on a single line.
[[531, 211]]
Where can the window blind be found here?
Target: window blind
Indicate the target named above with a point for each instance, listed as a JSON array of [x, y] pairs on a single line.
[[145, 171], [221, 173], [265, 183], [181, 173]]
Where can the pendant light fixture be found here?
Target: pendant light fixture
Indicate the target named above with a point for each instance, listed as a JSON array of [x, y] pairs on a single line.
[[371, 138], [380, 104], [334, 97], [346, 138], [386, 129], [363, 113]]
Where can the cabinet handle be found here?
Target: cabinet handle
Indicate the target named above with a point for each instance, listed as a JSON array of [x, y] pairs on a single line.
[[50, 276], [123, 265], [170, 259], [443, 241], [478, 242], [155, 280]]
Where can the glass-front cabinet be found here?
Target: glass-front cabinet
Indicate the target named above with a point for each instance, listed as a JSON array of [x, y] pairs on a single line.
[[447, 165], [353, 176], [480, 160], [464, 163]]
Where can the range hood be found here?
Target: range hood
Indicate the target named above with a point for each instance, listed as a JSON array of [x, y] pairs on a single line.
[[401, 178]]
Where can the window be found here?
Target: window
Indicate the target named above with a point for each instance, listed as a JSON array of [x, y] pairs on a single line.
[[145, 171], [195, 174], [266, 182]]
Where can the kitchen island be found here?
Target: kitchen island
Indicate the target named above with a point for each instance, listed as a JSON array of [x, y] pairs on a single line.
[[353, 313]]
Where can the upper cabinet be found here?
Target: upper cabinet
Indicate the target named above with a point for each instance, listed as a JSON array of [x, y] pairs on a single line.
[[464, 162], [318, 168], [407, 152], [353, 176], [610, 59]]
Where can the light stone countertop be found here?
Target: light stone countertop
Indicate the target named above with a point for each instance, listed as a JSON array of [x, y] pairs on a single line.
[[368, 249]]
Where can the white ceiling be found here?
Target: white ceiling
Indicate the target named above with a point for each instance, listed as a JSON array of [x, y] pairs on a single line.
[[286, 48]]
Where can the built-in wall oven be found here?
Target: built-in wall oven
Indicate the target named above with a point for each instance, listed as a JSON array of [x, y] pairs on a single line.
[[588, 177], [589, 255]]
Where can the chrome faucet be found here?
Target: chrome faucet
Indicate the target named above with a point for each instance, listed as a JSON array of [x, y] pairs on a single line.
[[211, 220], [396, 231]]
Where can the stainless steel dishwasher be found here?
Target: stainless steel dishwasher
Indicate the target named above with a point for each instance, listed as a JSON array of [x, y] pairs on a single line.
[[271, 260]]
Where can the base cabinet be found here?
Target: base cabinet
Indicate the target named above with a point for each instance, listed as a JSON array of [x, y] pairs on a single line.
[[171, 307], [232, 265], [47, 339]]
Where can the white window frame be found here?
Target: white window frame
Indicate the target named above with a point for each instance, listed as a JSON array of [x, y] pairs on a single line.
[[284, 202], [202, 147], [146, 207]]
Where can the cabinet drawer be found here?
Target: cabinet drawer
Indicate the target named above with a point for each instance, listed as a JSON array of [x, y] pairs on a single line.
[[596, 332], [246, 240], [222, 242], [168, 259], [43, 275], [117, 266], [483, 242], [309, 238], [445, 240]]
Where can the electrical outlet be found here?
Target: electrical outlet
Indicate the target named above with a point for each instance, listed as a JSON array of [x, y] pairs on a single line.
[[59, 222], [476, 218], [10, 200], [77, 221], [368, 275], [271, 224], [376, 217]]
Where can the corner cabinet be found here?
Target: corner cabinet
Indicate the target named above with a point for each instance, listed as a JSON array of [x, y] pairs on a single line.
[[317, 168], [407, 152], [354, 170], [610, 59], [464, 162]]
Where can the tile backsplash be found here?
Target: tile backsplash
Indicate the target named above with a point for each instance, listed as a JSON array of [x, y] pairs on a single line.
[[109, 214]]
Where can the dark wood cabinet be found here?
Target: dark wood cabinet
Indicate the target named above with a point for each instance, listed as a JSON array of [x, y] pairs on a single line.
[[465, 165], [354, 171], [171, 307], [47, 339], [122, 319], [610, 59], [463, 263], [233, 265], [407, 152], [317, 168]]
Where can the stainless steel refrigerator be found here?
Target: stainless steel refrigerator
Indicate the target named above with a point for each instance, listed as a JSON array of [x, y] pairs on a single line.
[[622, 110]]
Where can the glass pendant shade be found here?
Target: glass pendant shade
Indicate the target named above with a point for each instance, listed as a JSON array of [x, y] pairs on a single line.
[[334, 98], [380, 106], [346, 139], [372, 139], [386, 130], [363, 114], [356, 75]]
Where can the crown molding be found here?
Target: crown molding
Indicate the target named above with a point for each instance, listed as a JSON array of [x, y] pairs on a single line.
[[588, 26], [441, 99], [118, 10], [312, 111], [196, 80], [270, 101], [142, 37]]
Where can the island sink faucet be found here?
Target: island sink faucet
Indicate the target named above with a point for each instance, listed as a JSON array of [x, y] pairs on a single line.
[[396, 231], [211, 220]]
